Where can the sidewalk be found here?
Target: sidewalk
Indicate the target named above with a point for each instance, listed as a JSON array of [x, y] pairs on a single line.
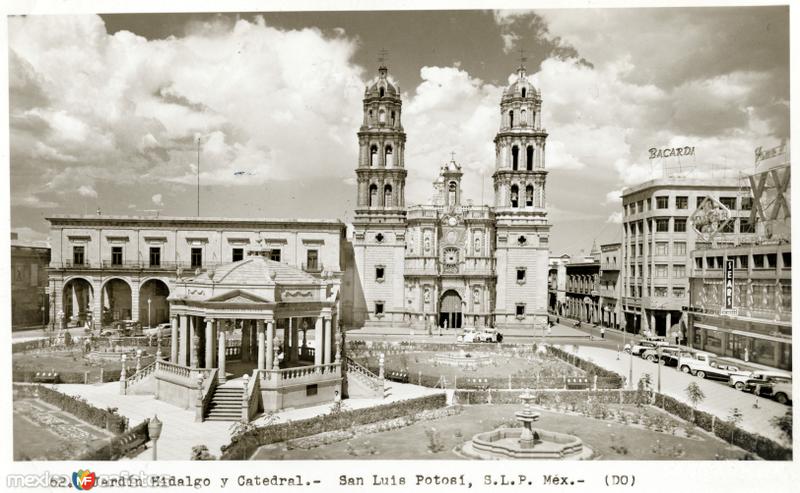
[[449, 335], [720, 397], [180, 431]]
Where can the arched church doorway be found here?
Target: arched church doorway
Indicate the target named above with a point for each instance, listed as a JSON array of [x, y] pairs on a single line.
[[450, 310]]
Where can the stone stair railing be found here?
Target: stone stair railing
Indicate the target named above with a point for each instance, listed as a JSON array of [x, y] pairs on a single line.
[[251, 399], [140, 375], [371, 379]]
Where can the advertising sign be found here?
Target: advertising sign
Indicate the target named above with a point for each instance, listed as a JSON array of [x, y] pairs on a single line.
[[729, 309]]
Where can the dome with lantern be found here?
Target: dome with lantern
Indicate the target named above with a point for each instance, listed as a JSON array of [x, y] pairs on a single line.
[[521, 87]]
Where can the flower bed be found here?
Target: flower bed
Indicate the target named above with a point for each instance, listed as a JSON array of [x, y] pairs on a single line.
[[244, 444], [102, 418], [124, 445]]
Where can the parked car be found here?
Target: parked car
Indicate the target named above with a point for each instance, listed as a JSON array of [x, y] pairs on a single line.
[[490, 334], [651, 354], [164, 329], [672, 358], [702, 365], [639, 347], [747, 381], [469, 335], [781, 389], [122, 328]]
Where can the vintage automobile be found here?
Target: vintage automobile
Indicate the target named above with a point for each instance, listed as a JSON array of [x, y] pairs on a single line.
[[489, 334], [469, 335], [639, 347], [651, 354], [781, 389], [164, 329], [747, 381], [704, 365]]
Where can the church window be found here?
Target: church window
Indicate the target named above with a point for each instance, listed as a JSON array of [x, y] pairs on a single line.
[[387, 157], [529, 196], [523, 118], [511, 118], [373, 195], [514, 196], [275, 254], [520, 275], [373, 156], [524, 91], [520, 310], [382, 91], [387, 196], [529, 158], [451, 193], [379, 273], [379, 308], [379, 237], [237, 254], [477, 242], [382, 116], [370, 117], [392, 120], [522, 240], [515, 158]]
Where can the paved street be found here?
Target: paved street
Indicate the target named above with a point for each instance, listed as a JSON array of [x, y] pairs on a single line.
[[720, 398], [181, 432]]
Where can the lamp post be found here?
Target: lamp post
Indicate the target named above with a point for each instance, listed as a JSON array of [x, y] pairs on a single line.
[[149, 319], [659, 369], [154, 428]]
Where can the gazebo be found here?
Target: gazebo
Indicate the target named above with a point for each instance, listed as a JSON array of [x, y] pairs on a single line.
[[248, 325]]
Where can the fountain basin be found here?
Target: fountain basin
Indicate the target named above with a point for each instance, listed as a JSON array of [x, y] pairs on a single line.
[[504, 443]]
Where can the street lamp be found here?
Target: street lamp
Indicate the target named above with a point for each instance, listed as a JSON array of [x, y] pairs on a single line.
[[149, 319], [154, 428]]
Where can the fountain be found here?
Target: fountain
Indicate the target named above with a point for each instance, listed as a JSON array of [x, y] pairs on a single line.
[[463, 359], [526, 442]]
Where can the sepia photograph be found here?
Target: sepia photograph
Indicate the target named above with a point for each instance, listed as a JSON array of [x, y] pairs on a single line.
[[528, 235]]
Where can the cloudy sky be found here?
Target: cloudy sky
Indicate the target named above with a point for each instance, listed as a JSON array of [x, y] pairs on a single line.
[[105, 110]]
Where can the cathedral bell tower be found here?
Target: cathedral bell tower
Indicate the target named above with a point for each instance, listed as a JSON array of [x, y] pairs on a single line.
[[520, 214], [380, 215]]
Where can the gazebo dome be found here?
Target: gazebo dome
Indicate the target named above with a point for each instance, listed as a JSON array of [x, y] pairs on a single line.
[[254, 270]]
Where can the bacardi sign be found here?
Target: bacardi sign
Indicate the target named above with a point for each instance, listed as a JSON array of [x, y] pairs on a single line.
[[656, 153], [764, 154]]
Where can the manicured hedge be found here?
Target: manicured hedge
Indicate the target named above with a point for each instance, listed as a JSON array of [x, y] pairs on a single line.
[[18, 347], [27, 376], [102, 418], [245, 444], [125, 444], [567, 398], [587, 366], [761, 446]]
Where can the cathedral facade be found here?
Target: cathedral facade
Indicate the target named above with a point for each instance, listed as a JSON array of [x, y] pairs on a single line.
[[450, 263]]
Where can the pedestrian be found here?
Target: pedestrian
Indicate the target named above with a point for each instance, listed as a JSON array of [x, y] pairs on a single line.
[[602, 332]]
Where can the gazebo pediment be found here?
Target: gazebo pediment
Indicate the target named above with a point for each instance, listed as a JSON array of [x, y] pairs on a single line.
[[239, 297]]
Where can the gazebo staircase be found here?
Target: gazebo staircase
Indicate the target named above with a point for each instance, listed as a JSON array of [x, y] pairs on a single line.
[[226, 404]]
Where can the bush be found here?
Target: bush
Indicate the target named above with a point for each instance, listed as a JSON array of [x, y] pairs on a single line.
[[81, 409], [244, 444]]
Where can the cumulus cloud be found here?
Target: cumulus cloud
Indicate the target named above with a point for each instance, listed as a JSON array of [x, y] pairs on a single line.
[[157, 200], [614, 197], [615, 218], [87, 191]]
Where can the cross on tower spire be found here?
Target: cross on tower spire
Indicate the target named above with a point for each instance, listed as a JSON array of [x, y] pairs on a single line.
[[382, 55], [453, 156]]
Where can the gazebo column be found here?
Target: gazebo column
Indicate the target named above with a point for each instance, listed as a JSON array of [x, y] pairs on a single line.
[[209, 343], [327, 358], [221, 356], [295, 350], [270, 343], [183, 346], [192, 335], [287, 340], [261, 355], [173, 353], [245, 340], [318, 341]]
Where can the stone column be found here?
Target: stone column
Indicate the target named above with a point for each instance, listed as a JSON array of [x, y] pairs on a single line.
[[221, 356], [173, 353], [318, 341], [327, 353], [195, 354], [261, 355], [287, 341], [270, 344], [209, 343], [295, 349], [183, 355], [245, 340], [193, 330]]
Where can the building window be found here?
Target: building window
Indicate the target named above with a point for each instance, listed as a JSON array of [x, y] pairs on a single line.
[[662, 202], [700, 200], [520, 275], [311, 389], [155, 256], [520, 310], [662, 248], [729, 227], [529, 158], [682, 202], [698, 262], [772, 260], [529, 196], [197, 257], [515, 158], [78, 255], [373, 156], [787, 260], [275, 254], [679, 247], [640, 249], [379, 308], [312, 260], [640, 206], [237, 255], [373, 195], [745, 226], [379, 273], [116, 255], [678, 292], [387, 196], [680, 225], [743, 261], [514, 195], [729, 202], [662, 225], [661, 270], [660, 291], [678, 271], [747, 203]]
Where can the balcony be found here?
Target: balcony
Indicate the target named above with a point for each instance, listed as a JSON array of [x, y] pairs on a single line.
[[130, 265], [312, 267]]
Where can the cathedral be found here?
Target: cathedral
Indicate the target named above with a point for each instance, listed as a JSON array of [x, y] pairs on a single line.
[[450, 263]]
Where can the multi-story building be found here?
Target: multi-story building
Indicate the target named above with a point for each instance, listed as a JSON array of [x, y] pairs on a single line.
[[609, 285], [106, 268], [583, 295], [557, 284], [753, 320], [658, 238], [450, 263], [29, 296]]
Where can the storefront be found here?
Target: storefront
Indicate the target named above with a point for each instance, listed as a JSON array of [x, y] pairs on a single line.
[[750, 340]]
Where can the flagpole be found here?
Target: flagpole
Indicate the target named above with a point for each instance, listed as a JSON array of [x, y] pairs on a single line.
[[198, 176]]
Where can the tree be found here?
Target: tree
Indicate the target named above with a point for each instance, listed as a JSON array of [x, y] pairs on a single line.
[[695, 395], [643, 388], [735, 417], [784, 425]]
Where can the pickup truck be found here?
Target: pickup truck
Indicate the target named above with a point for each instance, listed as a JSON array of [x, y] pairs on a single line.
[[701, 365], [747, 381]]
